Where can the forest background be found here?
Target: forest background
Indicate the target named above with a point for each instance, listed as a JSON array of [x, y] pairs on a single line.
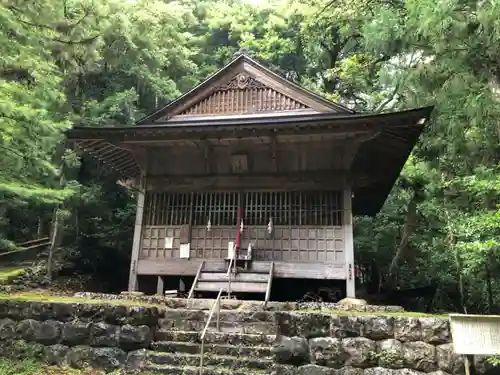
[[109, 62]]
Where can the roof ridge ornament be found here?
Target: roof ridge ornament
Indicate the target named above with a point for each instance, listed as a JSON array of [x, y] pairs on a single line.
[[241, 81], [243, 51]]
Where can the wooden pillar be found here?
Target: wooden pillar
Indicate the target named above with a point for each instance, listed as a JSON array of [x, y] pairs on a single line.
[[136, 244], [349, 243], [160, 286]]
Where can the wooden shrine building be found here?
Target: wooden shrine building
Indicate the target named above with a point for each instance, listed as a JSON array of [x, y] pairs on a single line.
[[251, 166]]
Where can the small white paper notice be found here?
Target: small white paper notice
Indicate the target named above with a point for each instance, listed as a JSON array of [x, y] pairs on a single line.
[[184, 250], [169, 242], [230, 250]]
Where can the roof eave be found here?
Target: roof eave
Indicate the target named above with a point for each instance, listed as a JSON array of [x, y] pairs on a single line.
[[418, 114]]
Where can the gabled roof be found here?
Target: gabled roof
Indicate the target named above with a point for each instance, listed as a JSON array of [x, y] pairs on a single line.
[[244, 86], [381, 157]]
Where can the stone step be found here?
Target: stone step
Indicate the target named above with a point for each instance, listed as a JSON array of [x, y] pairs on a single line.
[[184, 359], [217, 349], [226, 315], [230, 321], [226, 327], [220, 338]]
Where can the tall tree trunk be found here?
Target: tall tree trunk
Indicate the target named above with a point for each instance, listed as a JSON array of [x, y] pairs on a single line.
[[458, 261], [489, 288], [53, 242], [40, 228], [56, 231], [409, 227]]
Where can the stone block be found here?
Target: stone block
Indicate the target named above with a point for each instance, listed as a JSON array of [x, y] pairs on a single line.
[[390, 354], [138, 316], [346, 326], [378, 371], [108, 359], [7, 329], [56, 354], [76, 333], [360, 351], [46, 333], [313, 325], [406, 371], [89, 312], [102, 334], [316, 370], [291, 351], [327, 351], [79, 357], [286, 323], [41, 311], [116, 315], [349, 370], [377, 327], [419, 356], [4, 309], [135, 360], [482, 365], [17, 310], [64, 312], [132, 338], [448, 361], [435, 330], [407, 329]]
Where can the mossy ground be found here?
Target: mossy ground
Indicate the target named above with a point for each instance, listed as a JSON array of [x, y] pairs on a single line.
[[377, 313], [32, 367], [43, 296], [7, 273]]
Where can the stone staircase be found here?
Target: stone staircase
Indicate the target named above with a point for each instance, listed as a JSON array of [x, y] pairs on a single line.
[[243, 345]]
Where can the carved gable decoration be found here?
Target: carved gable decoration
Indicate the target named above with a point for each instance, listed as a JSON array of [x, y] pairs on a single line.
[[242, 94], [243, 87]]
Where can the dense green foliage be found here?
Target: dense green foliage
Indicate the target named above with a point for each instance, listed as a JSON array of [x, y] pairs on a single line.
[[96, 62]]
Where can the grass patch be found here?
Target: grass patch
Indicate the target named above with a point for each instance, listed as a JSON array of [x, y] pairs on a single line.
[[44, 297], [8, 273], [31, 367]]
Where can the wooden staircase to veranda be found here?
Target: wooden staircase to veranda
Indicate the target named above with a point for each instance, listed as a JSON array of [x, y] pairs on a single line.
[[237, 276]]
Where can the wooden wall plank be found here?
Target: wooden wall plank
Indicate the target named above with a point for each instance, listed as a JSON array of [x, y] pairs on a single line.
[[349, 244], [136, 244], [183, 267]]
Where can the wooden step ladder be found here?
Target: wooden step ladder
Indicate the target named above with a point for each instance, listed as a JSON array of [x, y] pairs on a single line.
[[234, 280]]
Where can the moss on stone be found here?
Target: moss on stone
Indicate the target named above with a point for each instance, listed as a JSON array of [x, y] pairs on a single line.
[[35, 367], [44, 297], [371, 313], [9, 273]]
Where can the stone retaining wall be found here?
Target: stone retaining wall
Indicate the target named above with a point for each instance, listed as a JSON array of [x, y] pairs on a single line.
[[373, 344], [234, 304], [109, 337], [99, 335]]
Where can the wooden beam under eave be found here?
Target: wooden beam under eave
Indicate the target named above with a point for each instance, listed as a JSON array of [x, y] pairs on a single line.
[[295, 181], [274, 153], [238, 132], [207, 154]]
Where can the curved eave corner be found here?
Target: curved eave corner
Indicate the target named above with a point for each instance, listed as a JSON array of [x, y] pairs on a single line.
[[383, 158], [114, 158]]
